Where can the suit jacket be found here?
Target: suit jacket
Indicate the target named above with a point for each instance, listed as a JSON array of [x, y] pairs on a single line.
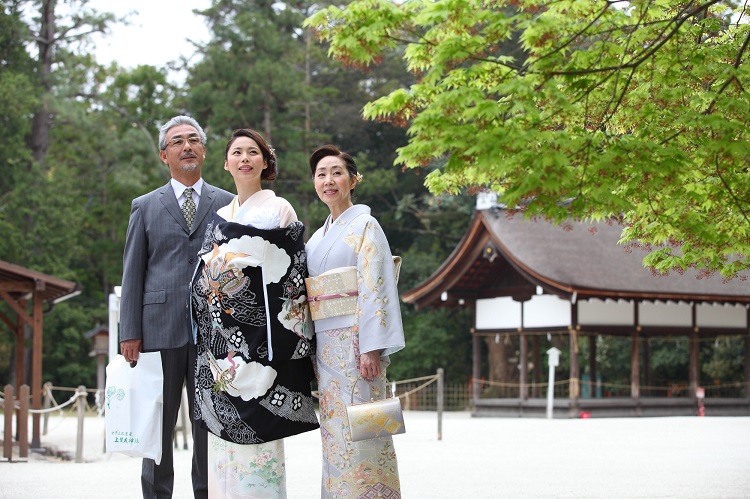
[[158, 264]]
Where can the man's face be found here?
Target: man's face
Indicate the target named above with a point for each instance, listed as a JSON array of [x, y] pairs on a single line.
[[183, 152]]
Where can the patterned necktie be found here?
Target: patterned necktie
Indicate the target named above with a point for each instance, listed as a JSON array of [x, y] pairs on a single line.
[[188, 207]]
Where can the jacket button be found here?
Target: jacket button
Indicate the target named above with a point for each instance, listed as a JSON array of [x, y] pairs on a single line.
[[191, 261]]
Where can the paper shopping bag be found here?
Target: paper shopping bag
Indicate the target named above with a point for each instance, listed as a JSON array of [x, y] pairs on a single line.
[[133, 406]]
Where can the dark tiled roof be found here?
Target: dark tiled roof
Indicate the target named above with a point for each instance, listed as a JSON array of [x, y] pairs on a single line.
[[581, 256], [575, 257]]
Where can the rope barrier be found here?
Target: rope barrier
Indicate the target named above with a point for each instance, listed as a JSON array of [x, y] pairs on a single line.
[[17, 406], [67, 389], [736, 384], [52, 409], [417, 379], [432, 380]]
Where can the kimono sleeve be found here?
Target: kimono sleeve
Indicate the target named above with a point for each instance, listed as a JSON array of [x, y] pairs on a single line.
[[378, 315]]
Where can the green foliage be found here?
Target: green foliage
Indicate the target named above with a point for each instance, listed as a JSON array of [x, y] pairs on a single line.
[[65, 212], [66, 350], [638, 112], [724, 360], [669, 361], [440, 338]]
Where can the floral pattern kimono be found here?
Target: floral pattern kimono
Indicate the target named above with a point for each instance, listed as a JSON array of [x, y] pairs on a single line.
[[366, 468], [254, 345]]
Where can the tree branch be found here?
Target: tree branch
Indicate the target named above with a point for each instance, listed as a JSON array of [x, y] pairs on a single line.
[[663, 39]]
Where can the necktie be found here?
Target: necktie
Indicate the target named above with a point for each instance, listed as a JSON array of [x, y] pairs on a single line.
[[188, 207]]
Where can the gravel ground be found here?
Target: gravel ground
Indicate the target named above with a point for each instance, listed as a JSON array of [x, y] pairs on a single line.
[[681, 457]]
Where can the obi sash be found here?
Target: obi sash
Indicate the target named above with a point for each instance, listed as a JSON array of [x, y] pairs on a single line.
[[334, 293]]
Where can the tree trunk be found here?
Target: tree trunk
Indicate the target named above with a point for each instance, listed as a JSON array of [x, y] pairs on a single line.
[[41, 121], [500, 370]]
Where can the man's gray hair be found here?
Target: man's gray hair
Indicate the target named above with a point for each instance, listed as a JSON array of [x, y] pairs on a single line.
[[179, 120]]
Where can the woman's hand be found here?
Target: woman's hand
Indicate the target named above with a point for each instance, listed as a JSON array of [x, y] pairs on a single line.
[[369, 365]]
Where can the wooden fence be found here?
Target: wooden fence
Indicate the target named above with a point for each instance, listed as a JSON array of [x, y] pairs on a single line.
[[19, 407]]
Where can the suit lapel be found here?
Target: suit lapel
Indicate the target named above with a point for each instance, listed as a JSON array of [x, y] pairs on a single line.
[[204, 206], [168, 199]]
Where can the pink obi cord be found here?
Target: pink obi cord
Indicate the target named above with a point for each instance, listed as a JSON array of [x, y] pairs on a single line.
[[345, 294]]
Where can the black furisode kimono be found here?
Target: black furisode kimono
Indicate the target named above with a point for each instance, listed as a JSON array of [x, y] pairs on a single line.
[[253, 334]]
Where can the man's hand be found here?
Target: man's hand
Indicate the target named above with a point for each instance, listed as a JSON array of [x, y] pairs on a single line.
[[130, 349]]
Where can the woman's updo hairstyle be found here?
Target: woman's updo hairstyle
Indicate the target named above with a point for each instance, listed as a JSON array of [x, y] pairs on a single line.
[[269, 155], [331, 150]]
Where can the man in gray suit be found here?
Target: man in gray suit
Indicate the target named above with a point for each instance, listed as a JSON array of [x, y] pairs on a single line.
[[160, 257]]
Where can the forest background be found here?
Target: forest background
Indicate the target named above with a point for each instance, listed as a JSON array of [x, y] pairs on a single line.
[[80, 142]]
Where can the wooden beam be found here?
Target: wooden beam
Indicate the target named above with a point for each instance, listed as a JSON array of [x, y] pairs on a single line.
[[36, 369], [476, 360], [524, 381], [694, 367], [16, 286], [16, 307], [592, 366], [635, 381], [645, 343], [537, 360], [20, 350], [575, 369]]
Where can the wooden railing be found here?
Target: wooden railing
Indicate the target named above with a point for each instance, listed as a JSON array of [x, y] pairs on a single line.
[[19, 407]]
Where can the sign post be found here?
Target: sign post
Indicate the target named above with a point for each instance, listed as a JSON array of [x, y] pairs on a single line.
[[553, 360]]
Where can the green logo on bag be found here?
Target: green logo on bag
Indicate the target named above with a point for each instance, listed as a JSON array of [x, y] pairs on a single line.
[[112, 391]]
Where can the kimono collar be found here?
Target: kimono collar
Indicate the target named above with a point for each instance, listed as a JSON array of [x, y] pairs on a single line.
[[336, 231]]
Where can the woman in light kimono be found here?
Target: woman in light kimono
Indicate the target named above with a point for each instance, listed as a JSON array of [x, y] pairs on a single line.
[[254, 343], [355, 307]]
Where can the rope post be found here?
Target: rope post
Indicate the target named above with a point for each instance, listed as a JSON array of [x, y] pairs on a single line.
[[81, 406], [8, 423], [440, 388], [23, 422], [46, 404]]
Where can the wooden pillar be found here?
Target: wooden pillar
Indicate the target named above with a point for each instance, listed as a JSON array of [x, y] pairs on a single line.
[[537, 360], [36, 363], [524, 379], [8, 400], [694, 368], [635, 382], [476, 364], [592, 365], [575, 370], [20, 347], [23, 421], [646, 364]]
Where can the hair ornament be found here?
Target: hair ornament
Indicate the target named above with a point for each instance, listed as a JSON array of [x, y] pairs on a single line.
[[359, 177]]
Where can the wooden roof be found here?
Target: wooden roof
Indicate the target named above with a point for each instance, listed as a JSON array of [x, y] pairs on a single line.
[[581, 258], [20, 282]]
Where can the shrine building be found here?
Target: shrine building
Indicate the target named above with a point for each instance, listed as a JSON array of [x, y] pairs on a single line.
[[530, 281]]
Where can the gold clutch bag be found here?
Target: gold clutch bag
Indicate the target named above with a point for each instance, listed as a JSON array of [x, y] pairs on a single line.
[[377, 418]]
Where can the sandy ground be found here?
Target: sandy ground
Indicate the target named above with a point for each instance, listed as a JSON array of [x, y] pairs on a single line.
[[685, 457]]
